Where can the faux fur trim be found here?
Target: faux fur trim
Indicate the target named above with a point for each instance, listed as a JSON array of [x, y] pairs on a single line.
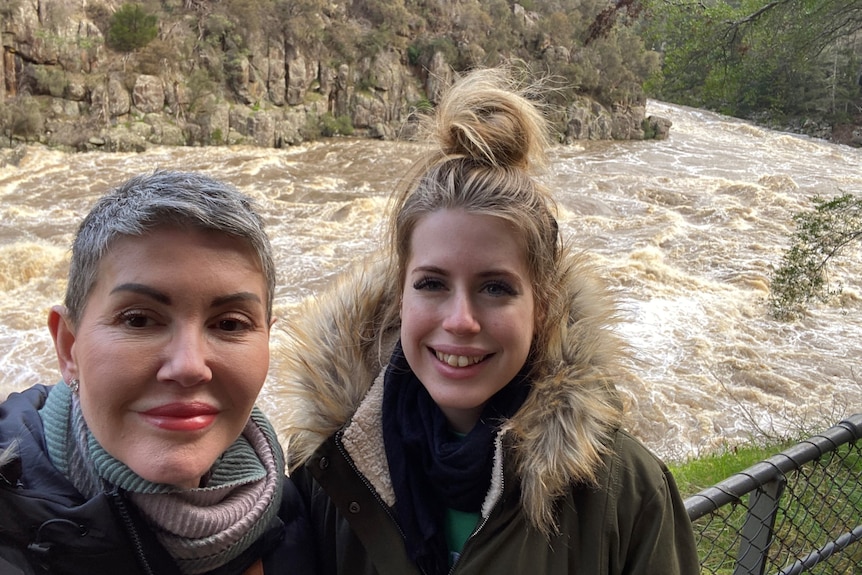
[[331, 358]]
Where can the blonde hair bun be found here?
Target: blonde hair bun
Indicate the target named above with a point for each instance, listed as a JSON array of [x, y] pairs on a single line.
[[487, 117]]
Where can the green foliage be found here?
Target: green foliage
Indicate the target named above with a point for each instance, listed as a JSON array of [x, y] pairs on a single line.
[[621, 64], [383, 14], [199, 89], [311, 129], [413, 54], [49, 80], [342, 41], [159, 55], [757, 58], [131, 28], [374, 41], [424, 48], [422, 106], [235, 67], [232, 40], [332, 126], [611, 68], [467, 33], [301, 22], [820, 237], [650, 132], [217, 27]]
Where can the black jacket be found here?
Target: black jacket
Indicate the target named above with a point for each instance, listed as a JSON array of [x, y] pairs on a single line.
[[48, 527]]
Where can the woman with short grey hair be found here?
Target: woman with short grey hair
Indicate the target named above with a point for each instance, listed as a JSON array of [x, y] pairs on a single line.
[[150, 456]]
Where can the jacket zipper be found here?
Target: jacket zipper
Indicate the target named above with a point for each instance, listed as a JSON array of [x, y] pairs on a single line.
[[370, 488], [131, 530], [482, 523]]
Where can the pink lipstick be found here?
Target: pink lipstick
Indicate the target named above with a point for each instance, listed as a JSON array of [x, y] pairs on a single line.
[[192, 416]]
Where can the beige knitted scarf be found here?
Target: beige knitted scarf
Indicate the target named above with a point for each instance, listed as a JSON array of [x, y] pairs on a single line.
[[201, 528]]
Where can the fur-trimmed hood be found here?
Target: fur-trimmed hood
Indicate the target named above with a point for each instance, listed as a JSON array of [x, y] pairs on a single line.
[[333, 355]]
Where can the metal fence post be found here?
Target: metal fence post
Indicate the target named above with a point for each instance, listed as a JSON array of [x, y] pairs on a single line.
[[756, 535]]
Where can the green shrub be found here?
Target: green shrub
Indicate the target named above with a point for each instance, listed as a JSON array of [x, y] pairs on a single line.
[[131, 28], [332, 126], [413, 54], [49, 80]]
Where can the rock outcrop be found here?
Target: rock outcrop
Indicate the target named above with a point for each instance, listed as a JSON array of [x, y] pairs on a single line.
[[76, 93]]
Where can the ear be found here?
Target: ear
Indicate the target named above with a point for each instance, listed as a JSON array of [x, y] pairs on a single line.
[[64, 340]]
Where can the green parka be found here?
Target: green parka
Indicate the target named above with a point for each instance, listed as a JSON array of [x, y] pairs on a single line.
[[571, 492]]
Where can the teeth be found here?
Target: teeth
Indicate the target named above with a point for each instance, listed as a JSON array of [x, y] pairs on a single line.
[[458, 360]]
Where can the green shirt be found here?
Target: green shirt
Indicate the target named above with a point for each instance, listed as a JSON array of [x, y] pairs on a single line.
[[459, 526]]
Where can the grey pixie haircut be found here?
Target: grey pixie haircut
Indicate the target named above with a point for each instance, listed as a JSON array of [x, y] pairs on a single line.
[[182, 199]]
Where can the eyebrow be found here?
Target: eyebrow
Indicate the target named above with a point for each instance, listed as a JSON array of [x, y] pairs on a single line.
[[163, 298], [143, 290], [237, 297], [483, 274]]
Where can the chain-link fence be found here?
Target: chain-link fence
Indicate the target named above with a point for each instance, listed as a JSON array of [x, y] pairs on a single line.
[[803, 513]]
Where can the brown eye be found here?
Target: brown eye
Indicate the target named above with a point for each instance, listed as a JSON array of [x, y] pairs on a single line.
[[233, 324], [229, 325], [135, 319]]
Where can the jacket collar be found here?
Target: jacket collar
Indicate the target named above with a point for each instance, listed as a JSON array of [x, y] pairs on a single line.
[[362, 440]]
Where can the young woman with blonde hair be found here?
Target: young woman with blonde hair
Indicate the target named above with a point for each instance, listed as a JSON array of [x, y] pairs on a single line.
[[455, 404]]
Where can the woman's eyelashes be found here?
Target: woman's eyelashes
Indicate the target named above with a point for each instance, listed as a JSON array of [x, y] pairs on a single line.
[[428, 283], [134, 319], [495, 288], [234, 324], [137, 319], [500, 288]]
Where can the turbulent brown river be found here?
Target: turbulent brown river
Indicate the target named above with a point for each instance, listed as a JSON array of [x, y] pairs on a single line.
[[685, 231]]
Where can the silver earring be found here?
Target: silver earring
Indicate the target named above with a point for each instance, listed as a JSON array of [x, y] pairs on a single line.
[[74, 384]]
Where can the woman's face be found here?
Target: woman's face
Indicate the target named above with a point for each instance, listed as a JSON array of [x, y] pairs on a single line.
[[171, 350], [467, 314]]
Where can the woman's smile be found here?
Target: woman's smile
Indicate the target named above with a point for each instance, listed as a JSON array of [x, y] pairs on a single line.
[[179, 416], [453, 360]]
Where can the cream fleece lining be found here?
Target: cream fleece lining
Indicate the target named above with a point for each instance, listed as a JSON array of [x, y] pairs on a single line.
[[363, 440]]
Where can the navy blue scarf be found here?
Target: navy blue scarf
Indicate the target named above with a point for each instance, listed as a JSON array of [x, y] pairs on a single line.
[[432, 469]]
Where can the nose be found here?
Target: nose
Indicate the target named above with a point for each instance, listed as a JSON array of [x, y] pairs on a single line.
[[186, 360], [460, 316]]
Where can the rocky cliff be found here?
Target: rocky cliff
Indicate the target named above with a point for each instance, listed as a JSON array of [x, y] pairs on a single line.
[[64, 86]]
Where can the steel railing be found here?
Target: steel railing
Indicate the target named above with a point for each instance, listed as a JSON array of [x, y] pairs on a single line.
[[803, 513]]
